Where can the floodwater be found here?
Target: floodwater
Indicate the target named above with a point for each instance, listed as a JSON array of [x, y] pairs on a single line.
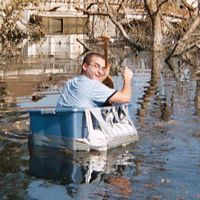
[[163, 164]]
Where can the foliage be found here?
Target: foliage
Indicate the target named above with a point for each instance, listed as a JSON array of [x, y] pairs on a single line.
[[13, 31]]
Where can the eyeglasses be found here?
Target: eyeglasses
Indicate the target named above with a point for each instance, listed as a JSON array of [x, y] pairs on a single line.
[[97, 66]]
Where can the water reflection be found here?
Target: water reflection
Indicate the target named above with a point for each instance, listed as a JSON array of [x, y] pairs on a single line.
[[59, 166], [157, 102], [25, 87], [3, 88], [157, 65], [3, 93], [75, 168], [146, 99], [197, 98], [6, 100], [153, 88]]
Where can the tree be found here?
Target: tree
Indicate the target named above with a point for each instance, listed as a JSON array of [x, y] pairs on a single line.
[[13, 30], [171, 25]]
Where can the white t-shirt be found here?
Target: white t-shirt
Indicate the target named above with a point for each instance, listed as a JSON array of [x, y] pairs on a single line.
[[84, 92]]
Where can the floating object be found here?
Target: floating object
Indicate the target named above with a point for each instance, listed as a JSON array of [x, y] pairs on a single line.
[[82, 129]]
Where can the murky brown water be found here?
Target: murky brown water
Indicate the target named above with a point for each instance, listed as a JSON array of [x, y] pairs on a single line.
[[163, 164]]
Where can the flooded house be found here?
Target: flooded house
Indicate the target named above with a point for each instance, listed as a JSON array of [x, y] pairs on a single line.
[[64, 27]]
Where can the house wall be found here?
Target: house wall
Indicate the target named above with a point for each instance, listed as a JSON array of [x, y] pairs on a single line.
[[102, 26], [65, 25], [56, 46]]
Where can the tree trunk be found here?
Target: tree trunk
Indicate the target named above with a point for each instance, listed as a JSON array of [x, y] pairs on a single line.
[[157, 58], [157, 33], [153, 11]]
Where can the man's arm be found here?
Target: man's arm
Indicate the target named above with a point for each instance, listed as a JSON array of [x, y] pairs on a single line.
[[124, 96]]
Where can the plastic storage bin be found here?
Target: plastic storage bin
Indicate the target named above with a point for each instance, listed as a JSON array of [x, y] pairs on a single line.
[[82, 129], [57, 128]]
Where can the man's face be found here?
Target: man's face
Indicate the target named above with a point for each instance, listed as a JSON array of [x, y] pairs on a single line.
[[96, 68]]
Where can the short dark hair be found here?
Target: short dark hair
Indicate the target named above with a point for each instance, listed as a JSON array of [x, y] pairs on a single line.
[[87, 59]]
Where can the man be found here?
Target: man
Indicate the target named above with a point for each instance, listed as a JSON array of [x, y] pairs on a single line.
[[87, 90]]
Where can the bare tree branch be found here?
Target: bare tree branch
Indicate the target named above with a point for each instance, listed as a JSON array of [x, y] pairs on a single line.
[[161, 4], [126, 17], [87, 12], [121, 4], [90, 6], [188, 6], [181, 46], [130, 41], [168, 25], [147, 7], [152, 7], [187, 35], [84, 46]]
